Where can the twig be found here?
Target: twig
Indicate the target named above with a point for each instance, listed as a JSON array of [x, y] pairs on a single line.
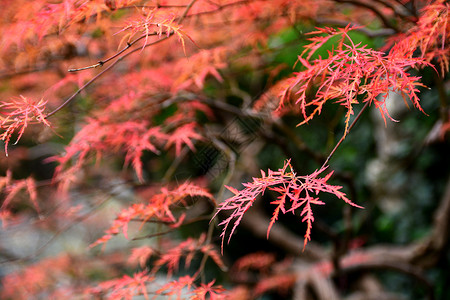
[[175, 164], [169, 230], [396, 10], [148, 236], [299, 143], [6, 75], [117, 61], [442, 97], [102, 62], [130, 44], [71, 98], [64, 229], [256, 221], [188, 7], [345, 134], [65, 103]]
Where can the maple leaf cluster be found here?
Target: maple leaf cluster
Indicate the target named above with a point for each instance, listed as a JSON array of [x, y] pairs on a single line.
[[158, 209], [430, 35], [40, 278], [295, 192], [349, 71], [11, 188], [127, 286], [17, 115]]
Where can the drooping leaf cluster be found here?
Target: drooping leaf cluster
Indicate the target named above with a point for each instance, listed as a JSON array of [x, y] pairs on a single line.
[[296, 193]]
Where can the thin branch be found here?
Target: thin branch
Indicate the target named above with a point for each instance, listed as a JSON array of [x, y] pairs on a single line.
[[175, 164], [256, 221], [395, 9], [428, 252], [64, 229], [209, 236], [170, 34], [412, 9], [442, 97], [71, 98], [345, 134], [7, 75], [102, 62], [152, 235], [130, 44], [224, 6], [160, 233], [65, 103], [188, 7], [299, 143], [322, 286]]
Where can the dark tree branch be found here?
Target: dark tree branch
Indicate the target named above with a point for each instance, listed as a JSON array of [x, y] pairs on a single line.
[[428, 253], [374, 9], [368, 32], [257, 222], [398, 266]]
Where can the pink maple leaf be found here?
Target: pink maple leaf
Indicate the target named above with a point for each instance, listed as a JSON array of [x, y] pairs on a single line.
[[183, 136]]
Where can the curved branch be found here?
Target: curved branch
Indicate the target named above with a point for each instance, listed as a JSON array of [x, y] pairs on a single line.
[[428, 252], [373, 9], [401, 267]]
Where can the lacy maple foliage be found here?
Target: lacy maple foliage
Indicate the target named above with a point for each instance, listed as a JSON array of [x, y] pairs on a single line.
[[128, 286], [164, 91], [13, 187], [17, 114], [41, 279], [349, 71], [430, 35], [296, 193], [158, 209]]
